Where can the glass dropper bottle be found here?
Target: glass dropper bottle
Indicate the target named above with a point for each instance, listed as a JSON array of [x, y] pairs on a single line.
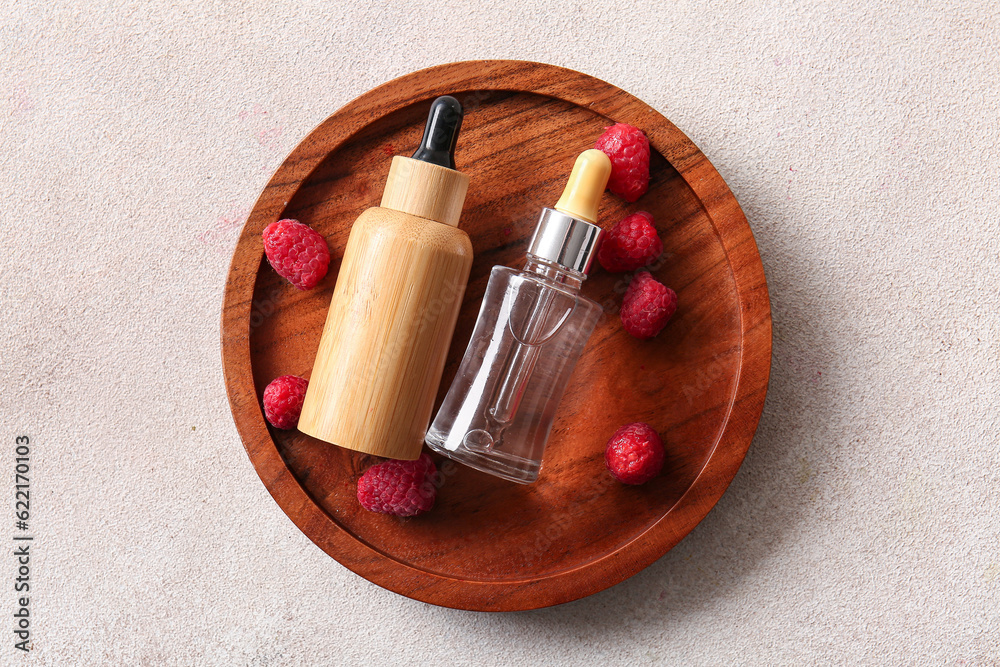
[[531, 330]]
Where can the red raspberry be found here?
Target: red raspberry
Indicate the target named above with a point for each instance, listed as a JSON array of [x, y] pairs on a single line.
[[630, 244], [647, 306], [297, 252], [635, 454], [403, 488], [628, 149], [283, 401]]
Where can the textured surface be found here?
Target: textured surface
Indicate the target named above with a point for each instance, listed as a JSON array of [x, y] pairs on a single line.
[[861, 141]]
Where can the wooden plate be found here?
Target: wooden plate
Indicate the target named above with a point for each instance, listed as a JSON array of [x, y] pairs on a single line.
[[489, 544]]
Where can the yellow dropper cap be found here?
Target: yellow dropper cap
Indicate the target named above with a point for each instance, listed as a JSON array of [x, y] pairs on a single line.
[[585, 186]]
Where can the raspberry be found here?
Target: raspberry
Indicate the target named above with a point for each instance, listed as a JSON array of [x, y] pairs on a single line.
[[647, 306], [628, 149], [635, 454], [402, 488], [630, 244], [283, 401], [297, 252]]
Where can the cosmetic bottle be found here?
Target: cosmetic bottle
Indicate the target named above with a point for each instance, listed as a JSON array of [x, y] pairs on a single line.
[[532, 327], [395, 304]]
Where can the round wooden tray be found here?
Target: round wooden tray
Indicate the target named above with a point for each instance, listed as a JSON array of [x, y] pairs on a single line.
[[489, 544]]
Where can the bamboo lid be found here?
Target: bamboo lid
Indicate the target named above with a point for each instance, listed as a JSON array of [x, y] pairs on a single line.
[[426, 190]]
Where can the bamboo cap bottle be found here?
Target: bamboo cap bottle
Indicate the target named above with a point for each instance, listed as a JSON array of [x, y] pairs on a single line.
[[395, 304], [428, 185]]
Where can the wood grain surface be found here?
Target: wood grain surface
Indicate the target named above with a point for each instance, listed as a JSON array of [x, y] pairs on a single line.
[[488, 544]]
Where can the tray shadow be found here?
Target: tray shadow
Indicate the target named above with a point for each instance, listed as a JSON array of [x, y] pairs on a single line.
[[766, 502]]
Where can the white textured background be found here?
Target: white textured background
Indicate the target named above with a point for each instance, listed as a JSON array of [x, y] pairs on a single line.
[[860, 138]]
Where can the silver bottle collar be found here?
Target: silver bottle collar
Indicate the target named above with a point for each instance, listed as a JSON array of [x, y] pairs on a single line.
[[567, 241]]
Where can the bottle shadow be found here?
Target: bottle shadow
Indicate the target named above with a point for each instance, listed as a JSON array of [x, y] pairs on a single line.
[[765, 504]]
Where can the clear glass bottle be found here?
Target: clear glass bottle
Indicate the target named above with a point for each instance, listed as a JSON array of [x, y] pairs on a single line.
[[532, 327]]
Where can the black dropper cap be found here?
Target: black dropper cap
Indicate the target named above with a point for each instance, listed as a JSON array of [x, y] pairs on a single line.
[[441, 132]]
